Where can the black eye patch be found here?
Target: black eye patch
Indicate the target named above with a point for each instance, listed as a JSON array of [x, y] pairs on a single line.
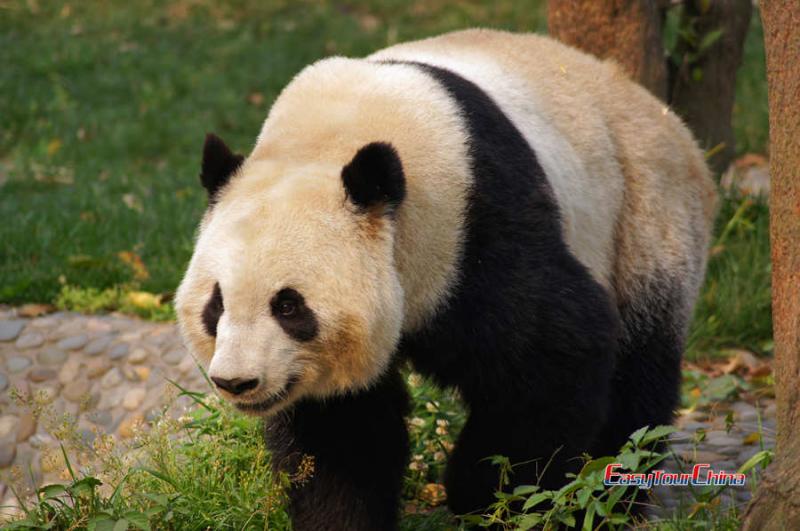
[[213, 311], [290, 310]]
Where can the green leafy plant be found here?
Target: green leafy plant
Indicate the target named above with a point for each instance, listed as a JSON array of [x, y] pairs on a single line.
[[585, 500]]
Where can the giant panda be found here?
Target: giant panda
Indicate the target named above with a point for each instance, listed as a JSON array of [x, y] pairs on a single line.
[[516, 219]]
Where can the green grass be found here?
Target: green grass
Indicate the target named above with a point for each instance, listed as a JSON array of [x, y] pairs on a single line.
[[734, 308], [105, 105], [750, 111]]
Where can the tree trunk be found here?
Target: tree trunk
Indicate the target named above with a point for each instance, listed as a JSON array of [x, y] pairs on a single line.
[[628, 31], [776, 504], [703, 91]]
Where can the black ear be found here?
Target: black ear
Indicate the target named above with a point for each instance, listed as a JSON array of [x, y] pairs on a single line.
[[375, 177], [219, 164]]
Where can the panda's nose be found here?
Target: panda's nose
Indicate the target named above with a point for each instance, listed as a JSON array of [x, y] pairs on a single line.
[[235, 386]]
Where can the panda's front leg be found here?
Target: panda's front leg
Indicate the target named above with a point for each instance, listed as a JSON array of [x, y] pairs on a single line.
[[359, 447]]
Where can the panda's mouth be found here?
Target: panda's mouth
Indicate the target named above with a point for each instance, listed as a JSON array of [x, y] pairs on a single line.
[[266, 405]]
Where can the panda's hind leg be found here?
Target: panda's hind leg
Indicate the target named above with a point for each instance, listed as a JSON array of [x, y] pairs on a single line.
[[646, 382]]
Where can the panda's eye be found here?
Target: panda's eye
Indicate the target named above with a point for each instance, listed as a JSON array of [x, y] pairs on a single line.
[[287, 308], [287, 303], [293, 315]]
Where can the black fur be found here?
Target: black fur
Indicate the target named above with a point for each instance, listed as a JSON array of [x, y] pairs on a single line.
[[213, 311], [375, 177], [528, 337], [219, 165], [302, 323], [359, 444], [646, 383]]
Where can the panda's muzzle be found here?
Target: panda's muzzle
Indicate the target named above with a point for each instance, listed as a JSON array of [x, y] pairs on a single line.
[[265, 405]]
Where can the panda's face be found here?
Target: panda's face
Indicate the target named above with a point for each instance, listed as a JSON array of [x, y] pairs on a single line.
[[292, 289]]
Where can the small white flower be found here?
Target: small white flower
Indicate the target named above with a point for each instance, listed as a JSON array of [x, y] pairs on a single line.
[[417, 422]]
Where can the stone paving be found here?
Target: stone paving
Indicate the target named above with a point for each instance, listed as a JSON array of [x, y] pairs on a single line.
[[110, 373], [724, 447]]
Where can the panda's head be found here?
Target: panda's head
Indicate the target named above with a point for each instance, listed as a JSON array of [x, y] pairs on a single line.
[[292, 290]]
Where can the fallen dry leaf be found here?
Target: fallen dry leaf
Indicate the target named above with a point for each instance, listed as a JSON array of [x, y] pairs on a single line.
[[752, 438], [135, 262], [765, 369], [751, 159], [144, 299], [35, 310], [256, 98]]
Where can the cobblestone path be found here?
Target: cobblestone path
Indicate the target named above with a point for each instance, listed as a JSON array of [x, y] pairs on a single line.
[[110, 372]]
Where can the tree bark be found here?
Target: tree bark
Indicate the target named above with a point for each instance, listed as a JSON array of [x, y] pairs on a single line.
[[628, 31], [776, 504], [706, 102]]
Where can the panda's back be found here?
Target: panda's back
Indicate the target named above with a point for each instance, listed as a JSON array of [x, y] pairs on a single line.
[[633, 191]]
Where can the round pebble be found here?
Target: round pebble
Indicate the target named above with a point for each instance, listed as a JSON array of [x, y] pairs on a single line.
[[112, 379], [119, 351], [97, 367], [721, 438], [30, 340], [173, 357], [70, 370], [187, 365], [101, 418], [45, 322], [26, 427], [41, 374], [157, 377], [74, 342], [8, 423], [75, 391], [133, 398], [139, 355], [52, 356], [17, 364], [98, 345], [142, 373], [40, 440], [98, 325], [3, 382], [9, 330], [8, 452]]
